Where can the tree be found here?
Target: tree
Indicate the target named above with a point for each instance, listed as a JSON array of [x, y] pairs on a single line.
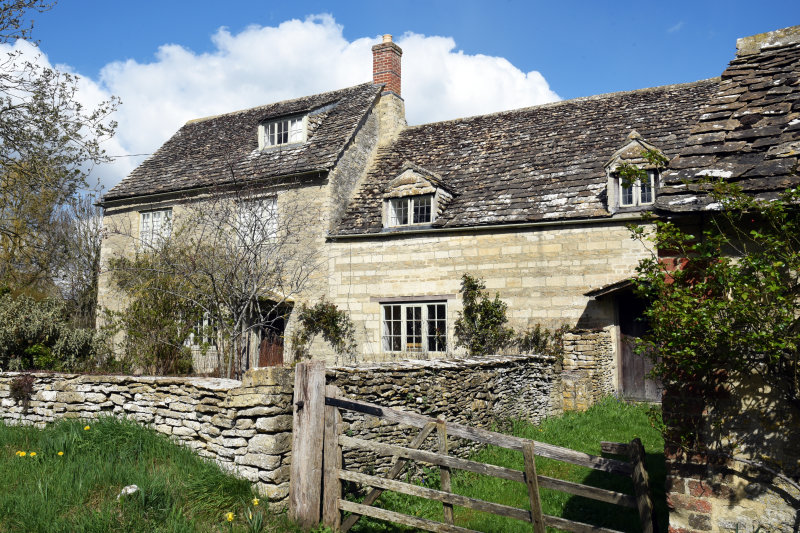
[[48, 142], [481, 326]]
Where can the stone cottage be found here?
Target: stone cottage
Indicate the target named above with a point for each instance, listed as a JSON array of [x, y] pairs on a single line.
[[529, 200]]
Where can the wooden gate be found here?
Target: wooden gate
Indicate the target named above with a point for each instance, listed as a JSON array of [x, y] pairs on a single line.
[[315, 492]]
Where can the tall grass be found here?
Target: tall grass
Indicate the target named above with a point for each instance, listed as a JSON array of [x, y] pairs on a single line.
[[610, 420], [77, 491]]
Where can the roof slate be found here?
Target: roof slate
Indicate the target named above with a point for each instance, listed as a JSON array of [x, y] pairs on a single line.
[[749, 134], [224, 149], [533, 164]]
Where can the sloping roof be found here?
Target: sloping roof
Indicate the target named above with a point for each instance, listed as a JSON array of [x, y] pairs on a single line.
[[221, 149], [533, 164], [750, 133]]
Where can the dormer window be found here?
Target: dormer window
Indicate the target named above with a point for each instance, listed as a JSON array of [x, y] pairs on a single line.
[[415, 196], [283, 131], [411, 210], [633, 177], [638, 193]]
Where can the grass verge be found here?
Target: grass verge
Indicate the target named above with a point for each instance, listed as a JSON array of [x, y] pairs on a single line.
[[72, 471], [609, 420]]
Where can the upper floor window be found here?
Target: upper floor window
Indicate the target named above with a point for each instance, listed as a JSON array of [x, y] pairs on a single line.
[[257, 220], [282, 131], [640, 192], [155, 226], [411, 210]]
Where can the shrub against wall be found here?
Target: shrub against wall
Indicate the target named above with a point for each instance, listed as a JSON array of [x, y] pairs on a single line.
[[38, 335]]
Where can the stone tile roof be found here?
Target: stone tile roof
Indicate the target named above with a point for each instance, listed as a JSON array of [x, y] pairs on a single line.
[[750, 133], [222, 149], [540, 163]]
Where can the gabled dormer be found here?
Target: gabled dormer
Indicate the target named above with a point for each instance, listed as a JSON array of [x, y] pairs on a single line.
[[416, 197], [625, 194]]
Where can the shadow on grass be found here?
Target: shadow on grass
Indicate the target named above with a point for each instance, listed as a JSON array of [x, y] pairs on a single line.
[[614, 516]]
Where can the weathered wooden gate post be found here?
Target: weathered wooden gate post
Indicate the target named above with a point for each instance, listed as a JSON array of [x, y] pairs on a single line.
[[332, 463], [305, 483]]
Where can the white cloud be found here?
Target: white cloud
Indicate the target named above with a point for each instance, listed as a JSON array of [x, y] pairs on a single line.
[[265, 64], [676, 27]]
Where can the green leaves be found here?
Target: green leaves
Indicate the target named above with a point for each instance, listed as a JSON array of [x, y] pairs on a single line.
[[724, 293], [480, 327]]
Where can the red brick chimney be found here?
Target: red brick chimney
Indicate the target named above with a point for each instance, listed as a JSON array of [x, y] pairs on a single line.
[[386, 64]]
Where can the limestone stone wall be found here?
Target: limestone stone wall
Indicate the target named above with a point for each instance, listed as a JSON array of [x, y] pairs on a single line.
[[590, 368], [541, 272], [710, 487], [479, 392], [246, 427]]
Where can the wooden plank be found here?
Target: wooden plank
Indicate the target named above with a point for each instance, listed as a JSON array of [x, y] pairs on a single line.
[[433, 458], [617, 448], [595, 493], [529, 455], [305, 483], [391, 516], [331, 464], [395, 471], [437, 495], [641, 486], [484, 436], [576, 527], [444, 472]]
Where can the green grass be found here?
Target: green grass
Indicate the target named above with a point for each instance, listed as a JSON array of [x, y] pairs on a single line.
[[610, 420], [77, 491]]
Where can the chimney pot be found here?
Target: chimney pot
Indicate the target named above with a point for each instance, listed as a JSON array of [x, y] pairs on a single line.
[[387, 38]]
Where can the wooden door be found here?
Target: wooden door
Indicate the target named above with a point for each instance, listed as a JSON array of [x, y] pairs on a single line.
[[635, 383], [270, 351]]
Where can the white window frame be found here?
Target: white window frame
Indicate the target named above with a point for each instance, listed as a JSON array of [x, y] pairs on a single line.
[[636, 191], [265, 210], [154, 226], [398, 333], [282, 132], [204, 332], [403, 211]]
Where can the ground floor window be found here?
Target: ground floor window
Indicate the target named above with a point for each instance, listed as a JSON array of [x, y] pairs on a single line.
[[414, 327], [204, 333]]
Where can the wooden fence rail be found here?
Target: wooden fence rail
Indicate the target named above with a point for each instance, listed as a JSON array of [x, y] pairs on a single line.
[[327, 444]]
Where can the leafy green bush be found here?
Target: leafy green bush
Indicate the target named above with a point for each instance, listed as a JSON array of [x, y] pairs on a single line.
[[37, 334], [323, 318], [481, 326]]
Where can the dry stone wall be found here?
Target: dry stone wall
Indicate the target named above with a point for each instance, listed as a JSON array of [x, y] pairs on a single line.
[[589, 367], [246, 427], [479, 392]]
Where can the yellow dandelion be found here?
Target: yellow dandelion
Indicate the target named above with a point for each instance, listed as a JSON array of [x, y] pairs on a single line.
[[17, 453], [60, 454], [33, 454], [229, 517], [87, 428], [22, 454], [255, 501]]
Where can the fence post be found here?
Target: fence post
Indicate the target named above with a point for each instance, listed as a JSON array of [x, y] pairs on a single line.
[[641, 486], [332, 463], [305, 483], [444, 472], [529, 454]]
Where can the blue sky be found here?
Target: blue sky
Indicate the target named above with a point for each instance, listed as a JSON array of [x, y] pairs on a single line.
[[171, 61]]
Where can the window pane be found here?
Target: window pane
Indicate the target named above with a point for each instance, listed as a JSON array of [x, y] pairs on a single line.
[[422, 209], [398, 211], [414, 328], [296, 130], [647, 190], [626, 197], [392, 328], [437, 328]]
